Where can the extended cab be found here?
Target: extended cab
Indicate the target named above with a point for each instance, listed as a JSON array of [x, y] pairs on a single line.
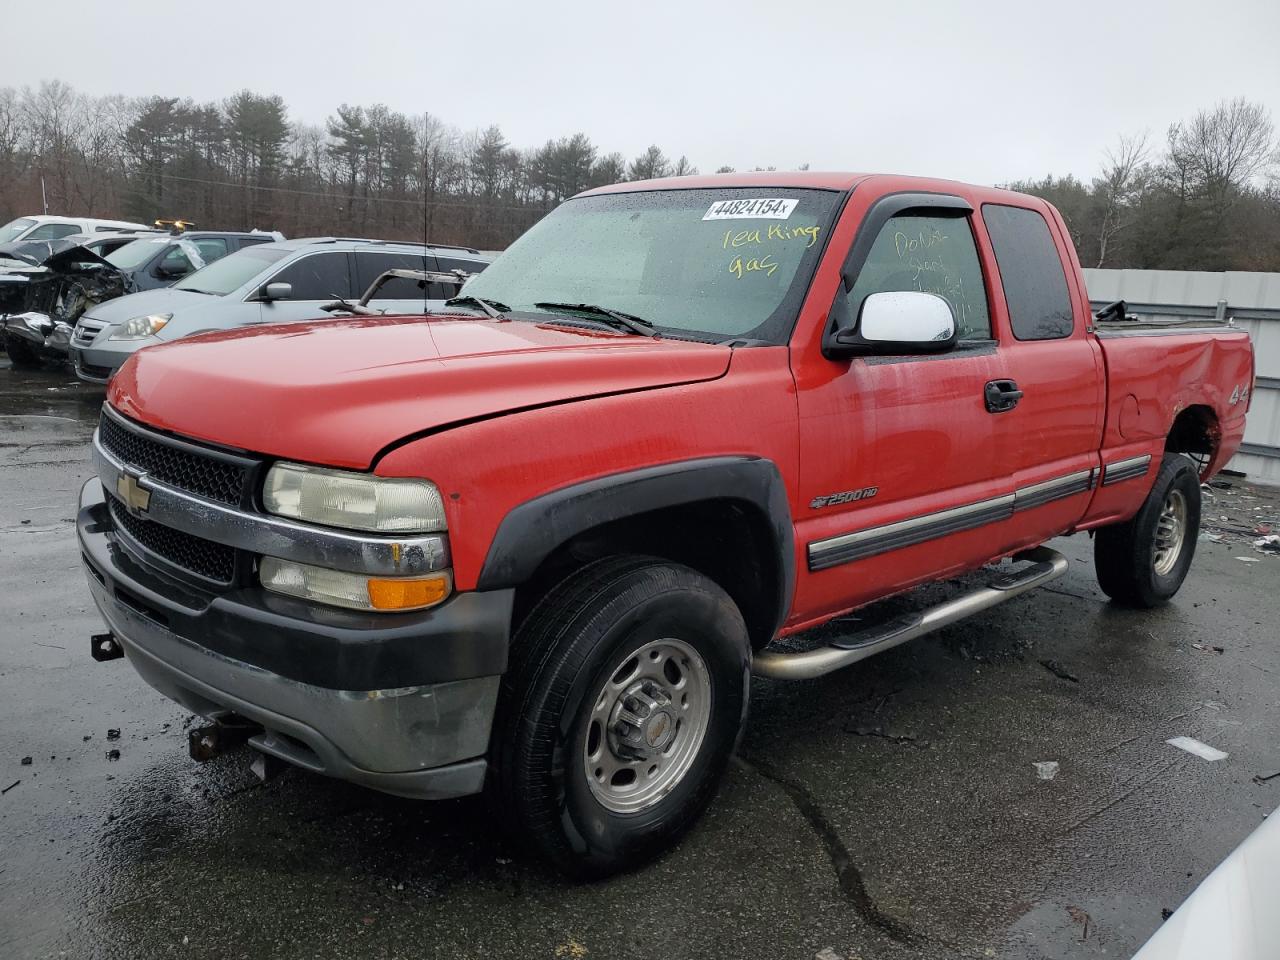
[[537, 546]]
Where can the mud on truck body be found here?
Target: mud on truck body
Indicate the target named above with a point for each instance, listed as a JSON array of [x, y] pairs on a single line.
[[535, 547]]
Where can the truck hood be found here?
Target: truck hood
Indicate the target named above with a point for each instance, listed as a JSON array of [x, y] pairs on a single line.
[[336, 392]]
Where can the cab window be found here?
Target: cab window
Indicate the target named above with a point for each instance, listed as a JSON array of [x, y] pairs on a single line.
[[319, 276], [52, 231], [177, 263], [1031, 272], [929, 254], [370, 266]]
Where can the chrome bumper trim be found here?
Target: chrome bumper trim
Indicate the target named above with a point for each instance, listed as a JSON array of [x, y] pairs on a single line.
[[274, 536]]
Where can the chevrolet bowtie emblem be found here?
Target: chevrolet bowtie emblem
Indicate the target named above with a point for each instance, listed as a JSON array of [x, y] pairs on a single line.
[[134, 496]]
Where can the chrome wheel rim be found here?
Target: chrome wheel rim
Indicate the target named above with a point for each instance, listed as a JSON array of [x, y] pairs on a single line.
[[646, 725], [1171, 531]]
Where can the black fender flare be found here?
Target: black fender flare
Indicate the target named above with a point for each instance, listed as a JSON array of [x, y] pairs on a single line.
[[531, 531]]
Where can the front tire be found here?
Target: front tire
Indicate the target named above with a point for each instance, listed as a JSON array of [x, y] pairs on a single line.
[[625, 695], [21, 354], [1143, 561]]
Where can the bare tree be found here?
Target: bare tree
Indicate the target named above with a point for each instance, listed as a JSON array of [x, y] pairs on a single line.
[[683, 168], [1224, 148], [1117, 189]]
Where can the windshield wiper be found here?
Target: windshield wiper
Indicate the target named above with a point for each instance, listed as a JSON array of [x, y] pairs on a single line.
[[620, 320], [492, 307], [207, 293]]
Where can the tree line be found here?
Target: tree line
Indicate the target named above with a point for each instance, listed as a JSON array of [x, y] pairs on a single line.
[[367, 171], [1207, 198]]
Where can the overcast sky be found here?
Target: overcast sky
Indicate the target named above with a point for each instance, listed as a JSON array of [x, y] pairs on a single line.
[[979, 91]]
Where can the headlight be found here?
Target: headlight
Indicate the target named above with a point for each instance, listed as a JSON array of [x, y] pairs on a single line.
[[139, 328], [354, 590], [353, 501]]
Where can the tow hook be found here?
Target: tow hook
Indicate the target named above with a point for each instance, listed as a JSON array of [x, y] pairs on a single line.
[[226, 733], [104, 647]]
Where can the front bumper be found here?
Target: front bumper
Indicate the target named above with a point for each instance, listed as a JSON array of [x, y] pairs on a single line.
[[99, 363], [51, 337], [282, 664]]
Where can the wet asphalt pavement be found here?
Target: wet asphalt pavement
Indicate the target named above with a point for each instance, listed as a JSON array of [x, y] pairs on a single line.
[[889, 811]]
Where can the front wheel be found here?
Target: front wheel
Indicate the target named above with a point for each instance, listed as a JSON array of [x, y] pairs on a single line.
[[625, 695], [21, 354], [1143, 561]]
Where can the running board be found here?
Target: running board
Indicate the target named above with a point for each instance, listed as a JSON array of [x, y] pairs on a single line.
[[1046, 565]]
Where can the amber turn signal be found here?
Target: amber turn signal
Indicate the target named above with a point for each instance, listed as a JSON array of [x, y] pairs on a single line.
[[399, 593]]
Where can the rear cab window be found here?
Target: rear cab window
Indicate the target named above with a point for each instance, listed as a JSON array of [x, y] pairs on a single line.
[[928, 253], [1031, 272]]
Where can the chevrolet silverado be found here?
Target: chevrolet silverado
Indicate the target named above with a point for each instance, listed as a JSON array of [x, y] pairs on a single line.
[[536, 545]]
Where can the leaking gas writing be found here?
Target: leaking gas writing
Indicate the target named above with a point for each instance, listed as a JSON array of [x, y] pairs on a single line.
[[740, 238], [740, 267]]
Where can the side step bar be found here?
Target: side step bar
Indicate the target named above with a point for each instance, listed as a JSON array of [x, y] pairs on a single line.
[[1046, 565]]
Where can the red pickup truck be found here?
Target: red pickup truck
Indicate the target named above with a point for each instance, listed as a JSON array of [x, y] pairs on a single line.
[[536, 545]]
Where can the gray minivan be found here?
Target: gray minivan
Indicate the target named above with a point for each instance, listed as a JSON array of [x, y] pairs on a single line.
[[267, 283]]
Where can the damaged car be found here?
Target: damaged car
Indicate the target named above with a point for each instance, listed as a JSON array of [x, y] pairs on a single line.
[[46, 286]]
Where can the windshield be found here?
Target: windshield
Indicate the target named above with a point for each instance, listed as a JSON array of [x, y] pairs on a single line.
[[13, 229], [710, 263], [135, 254], [231, 272]]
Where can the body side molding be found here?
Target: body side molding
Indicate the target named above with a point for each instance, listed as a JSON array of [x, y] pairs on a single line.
[[1125, 469], [848, 547]]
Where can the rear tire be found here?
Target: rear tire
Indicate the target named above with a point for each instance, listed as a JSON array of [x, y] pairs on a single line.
[[21, 354], [1143, 561], [624, 697]]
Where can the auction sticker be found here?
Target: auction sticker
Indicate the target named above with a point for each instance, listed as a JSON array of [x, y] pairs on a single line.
[[761, 208]]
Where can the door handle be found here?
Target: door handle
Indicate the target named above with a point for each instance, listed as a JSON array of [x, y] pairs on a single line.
[[1001, 395]]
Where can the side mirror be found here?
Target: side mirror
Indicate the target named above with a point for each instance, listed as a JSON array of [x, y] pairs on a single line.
[[275, 291], [891, 323]]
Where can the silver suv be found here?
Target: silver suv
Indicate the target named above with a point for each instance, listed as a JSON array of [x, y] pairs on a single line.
[[267, 283]]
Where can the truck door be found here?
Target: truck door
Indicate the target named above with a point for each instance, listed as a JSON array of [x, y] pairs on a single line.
[[1049, 411], [901, 480]]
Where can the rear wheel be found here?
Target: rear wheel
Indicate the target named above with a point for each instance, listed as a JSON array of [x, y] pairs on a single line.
[[22, 354], [625, 695], [1143, 561]]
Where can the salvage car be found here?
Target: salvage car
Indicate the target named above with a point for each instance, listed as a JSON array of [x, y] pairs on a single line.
[[45, 227], [536, 547], [51, 283], [268, 283]]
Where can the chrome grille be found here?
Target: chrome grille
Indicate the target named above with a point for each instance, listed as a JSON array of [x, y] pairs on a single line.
[[181, 466], [87, 331], [213, 561]]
